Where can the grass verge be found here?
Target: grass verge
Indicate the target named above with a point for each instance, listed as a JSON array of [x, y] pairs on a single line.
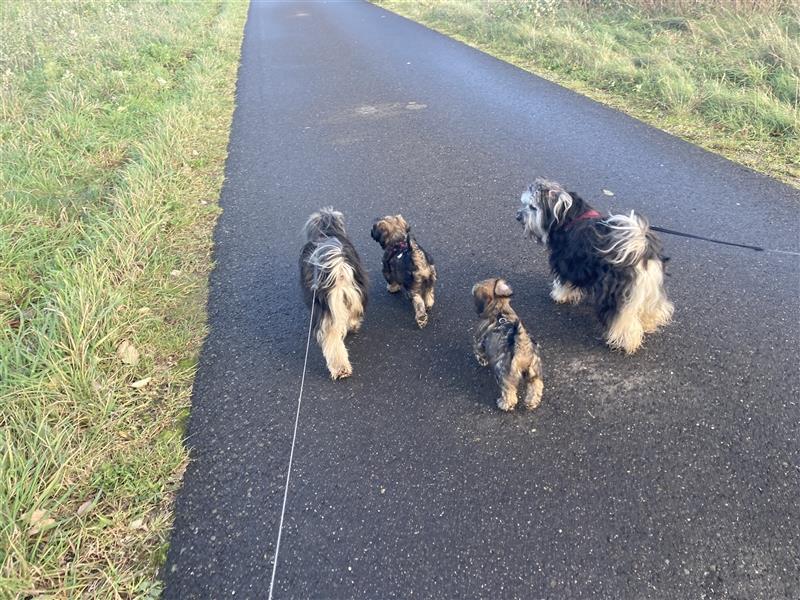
[[725, 76], [114, 121]]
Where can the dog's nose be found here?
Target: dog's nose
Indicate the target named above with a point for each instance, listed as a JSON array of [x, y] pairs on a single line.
[[519, 216]]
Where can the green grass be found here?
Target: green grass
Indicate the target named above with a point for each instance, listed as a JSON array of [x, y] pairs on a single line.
[[726, 79], [114, 120]]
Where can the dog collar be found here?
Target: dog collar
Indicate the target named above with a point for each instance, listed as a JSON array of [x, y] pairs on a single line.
[[396, 251], [585, 216]]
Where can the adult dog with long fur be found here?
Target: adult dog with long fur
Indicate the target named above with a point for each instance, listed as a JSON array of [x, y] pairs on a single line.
[[502, 343], [332, 275], [617, 261], [406, 265]]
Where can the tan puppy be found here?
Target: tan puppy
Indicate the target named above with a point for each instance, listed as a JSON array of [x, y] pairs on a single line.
[[406, 265], [502, 343]]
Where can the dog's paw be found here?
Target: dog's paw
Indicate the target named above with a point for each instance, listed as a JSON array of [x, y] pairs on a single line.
[[482, 361], [341, 372], [505, 405], [393, 288], [422, 320], [532, 403]]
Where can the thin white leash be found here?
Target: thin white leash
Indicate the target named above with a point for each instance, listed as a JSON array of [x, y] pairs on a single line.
[[294, 438]]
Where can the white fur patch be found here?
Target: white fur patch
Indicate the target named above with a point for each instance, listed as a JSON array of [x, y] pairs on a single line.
[[629, 239]]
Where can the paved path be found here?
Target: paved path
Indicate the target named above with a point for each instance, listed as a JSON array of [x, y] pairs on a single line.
[[671, 474]]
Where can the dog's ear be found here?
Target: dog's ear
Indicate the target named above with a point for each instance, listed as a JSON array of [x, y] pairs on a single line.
[[480, 297], [561, 203], [376, 232], [502, 289], [403, 222]]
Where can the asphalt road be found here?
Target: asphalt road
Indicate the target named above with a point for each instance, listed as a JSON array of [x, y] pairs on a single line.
[[674, 473]]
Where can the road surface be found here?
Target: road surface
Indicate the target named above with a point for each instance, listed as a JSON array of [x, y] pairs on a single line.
[[674, 473]]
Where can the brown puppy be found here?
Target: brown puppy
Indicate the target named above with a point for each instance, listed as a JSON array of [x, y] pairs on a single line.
[[502, 343], [406, 265]]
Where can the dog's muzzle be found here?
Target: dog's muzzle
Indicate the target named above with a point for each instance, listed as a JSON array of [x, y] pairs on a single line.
[[520, 216]]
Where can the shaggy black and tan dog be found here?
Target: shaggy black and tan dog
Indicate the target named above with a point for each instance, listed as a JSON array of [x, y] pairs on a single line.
[[333, 277], [502, 343], [406, 265], [617, 261]]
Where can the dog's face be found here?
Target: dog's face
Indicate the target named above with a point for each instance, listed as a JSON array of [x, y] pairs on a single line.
[[488, 293], [389, 230], [544, 204]]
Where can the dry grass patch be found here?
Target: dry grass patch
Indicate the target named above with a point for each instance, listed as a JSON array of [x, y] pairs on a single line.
[[114, 121]]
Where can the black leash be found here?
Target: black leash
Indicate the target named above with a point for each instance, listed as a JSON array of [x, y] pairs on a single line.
[[712, 240]]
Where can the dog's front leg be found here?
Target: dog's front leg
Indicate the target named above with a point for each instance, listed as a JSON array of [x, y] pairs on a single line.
[[420, 314], [480, 352]]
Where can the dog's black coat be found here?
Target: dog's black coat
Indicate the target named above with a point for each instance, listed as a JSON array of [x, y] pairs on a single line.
[[578, 256], [399, 266]]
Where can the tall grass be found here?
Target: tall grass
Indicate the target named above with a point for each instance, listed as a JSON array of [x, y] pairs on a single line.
[[114, 119], [725, 75]]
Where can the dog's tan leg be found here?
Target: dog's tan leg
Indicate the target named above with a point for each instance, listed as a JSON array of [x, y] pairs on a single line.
[[655, 310], [393, 288], [626, 331], [429, 298], [354, 324], [533, 395], [331, 341], [508, 390], [419, 310], [565, 293]]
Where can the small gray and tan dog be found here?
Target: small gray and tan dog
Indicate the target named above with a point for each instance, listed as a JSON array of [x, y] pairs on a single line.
[[502, 343], [406, 265]]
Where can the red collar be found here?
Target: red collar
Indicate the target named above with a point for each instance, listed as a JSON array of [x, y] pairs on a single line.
[[589, 214], [396, 250]]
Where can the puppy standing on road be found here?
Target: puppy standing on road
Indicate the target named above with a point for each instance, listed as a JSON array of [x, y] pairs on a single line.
[[617, 260], [330, 265], [502, 343], [406, 265]]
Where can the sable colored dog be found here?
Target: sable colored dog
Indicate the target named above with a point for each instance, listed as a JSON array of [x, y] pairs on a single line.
[[406, 265], [330, 265], [617, 261], [502, 343]]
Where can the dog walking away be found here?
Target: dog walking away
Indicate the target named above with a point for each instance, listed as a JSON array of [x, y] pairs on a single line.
[[332, 275], [502, 343], [616, 261], [406, 265]]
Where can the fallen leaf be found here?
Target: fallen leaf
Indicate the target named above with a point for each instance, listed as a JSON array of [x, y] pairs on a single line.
[[40, 522], [137, 524], [608, 192], [36, 516], [175, 273], [128, 353], [84, 508], [144, 310], [141, 383]]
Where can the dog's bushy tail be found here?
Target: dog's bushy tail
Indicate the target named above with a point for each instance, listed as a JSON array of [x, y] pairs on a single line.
[[629, 240], [335, 277]]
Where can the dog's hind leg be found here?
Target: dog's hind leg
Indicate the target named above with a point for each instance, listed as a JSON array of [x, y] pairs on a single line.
[[420, 314], [625, 331], [533, 392], [508, 390], [429, 297], [331, 340], [656, 309]]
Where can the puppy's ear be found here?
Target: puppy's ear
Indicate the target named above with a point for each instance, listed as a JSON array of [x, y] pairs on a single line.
[[563, 202], [481, 299], [376, 232], [406, 226], [502, 289]]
